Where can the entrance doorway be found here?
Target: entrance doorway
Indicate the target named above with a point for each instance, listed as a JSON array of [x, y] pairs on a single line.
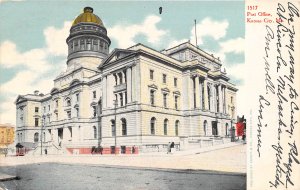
[[214, 125]]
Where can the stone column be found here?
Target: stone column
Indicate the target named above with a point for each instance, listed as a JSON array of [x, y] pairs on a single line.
[[124, 76], [211, 91], [220, 98], [225, 105], [205, 94], [200, 93], [110, 90], [197, 102], [128, 85], [124, 98], [214, 98], [133, 87], [191, 90], [104, 92]]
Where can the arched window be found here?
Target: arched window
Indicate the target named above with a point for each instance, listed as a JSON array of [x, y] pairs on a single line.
[[95, 132], [166, 127], [36, 137], [21, 138], [226, 129], [124, 127], [44, 137], [18, 138], [177, 128], [152, 126], [113, 128], [205, 127]]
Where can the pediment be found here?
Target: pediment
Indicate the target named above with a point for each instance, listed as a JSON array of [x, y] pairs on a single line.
[[153, 86], [54, 91], [117, 54], [176, 92], [165, 90], [93, 104], [74, 82]]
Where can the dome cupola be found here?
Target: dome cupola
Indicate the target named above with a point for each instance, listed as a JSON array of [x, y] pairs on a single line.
[[88, 37], [88, 17]]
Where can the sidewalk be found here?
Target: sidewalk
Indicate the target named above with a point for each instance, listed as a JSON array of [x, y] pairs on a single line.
[[222, 158], [195, 151]]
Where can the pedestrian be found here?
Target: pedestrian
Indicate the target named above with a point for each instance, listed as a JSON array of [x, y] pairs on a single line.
[[46, 151], [133, 149], [169, 148], [172, 147]]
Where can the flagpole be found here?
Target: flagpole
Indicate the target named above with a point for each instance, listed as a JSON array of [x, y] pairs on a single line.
[[196, 32]]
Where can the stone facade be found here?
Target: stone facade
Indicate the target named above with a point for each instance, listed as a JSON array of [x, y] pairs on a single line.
[[147, 97]]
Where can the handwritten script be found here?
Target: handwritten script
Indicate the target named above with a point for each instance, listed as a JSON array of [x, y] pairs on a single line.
[[281, 86]]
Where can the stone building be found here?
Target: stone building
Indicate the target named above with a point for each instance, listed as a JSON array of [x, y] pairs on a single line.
[[7, 135], [137, 96]]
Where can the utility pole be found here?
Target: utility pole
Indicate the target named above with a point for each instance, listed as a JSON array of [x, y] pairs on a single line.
[[43, 123], [115, 124]]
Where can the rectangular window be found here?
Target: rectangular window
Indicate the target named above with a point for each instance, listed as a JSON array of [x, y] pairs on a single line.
[[113, 131], [165, 100], [94, 94], [44, 109], [77, 112], [69, 114], [164, 78], [152, 97], [94, 111], [36, 122], [49, 119], [77, 97], [176, 102], [48, 107], [151, 74], [36, 110], [121, 99], [56, 103], [175, 82]]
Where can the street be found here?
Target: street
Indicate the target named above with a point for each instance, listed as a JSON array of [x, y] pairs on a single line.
[[78, 176]]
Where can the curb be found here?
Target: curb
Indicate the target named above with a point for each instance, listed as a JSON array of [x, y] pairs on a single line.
[[5, 177]]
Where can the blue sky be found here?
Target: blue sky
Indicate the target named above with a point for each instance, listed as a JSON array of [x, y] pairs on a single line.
[[33, 33]]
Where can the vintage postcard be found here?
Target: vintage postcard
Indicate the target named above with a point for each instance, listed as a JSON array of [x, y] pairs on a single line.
[[149, 94]]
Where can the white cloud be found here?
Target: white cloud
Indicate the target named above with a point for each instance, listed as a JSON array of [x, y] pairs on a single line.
[[124, 34], [174, 43], [56, 39], [37, 72], [34, 59], [233, 45], [209, 28]]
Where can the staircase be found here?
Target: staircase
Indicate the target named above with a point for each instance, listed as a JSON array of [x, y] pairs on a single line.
[[51, 147]]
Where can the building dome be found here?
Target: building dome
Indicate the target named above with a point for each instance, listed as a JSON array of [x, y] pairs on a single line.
[[88, 37], [88, 17]]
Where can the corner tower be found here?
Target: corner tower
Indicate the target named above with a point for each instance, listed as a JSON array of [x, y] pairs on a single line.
[[88, 42]]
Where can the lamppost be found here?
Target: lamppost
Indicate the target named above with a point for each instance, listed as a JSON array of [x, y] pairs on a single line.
[[43, 123], [232, 127], [115, 124]]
